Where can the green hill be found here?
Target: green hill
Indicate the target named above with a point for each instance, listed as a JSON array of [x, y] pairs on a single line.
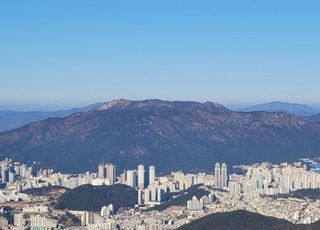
[[92, 198], [240, 219]]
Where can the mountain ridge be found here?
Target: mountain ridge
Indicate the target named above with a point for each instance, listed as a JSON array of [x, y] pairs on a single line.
[[10, 119], [278, 106], [171, 135]]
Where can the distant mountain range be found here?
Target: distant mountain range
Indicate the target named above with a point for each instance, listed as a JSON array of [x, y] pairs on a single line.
[[15, 119], [171, 135], [10, 119], [241, 219], [277, 106]]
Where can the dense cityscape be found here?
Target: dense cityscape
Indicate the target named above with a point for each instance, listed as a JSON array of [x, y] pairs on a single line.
[[258, 188]]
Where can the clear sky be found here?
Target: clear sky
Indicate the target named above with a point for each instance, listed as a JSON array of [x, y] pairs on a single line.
[[234, 52]]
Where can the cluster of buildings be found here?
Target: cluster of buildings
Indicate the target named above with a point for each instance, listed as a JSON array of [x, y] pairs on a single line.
[[11, 171], [221, 175], [139, 178], [150, 191], [92, 220], [196, 204], [41, 221], [34, 217], [270, 179], [249, 190], [108, 172]]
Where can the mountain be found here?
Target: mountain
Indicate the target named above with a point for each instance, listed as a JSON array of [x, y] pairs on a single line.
[[315, 118], [244, 220], [92, 198], [171, 135], [277, 106], [14, 119]]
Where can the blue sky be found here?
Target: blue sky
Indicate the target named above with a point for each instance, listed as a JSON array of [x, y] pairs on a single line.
[[234, 52]]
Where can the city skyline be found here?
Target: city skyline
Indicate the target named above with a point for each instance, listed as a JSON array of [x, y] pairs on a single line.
[[262, 188]]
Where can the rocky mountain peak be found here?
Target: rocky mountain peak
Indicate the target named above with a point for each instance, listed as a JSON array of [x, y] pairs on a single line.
[[156, 103], [119, 103]]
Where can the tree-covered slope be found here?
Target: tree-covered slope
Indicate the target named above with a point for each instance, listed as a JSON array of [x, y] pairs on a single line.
[[240, 220], [171, 135], [92, 198]]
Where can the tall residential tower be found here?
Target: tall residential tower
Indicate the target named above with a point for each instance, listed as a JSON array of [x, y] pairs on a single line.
[[140, 176], [152, 174], [217, 175], [107, 171], [221, 175]]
